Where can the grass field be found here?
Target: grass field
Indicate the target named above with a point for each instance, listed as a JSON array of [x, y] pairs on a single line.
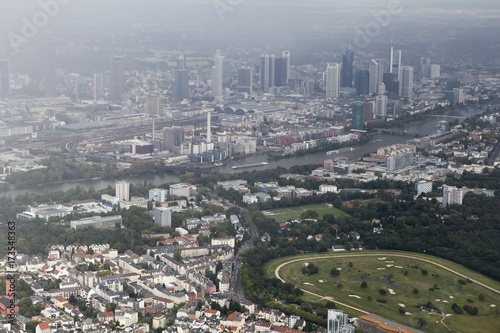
[[439, 286], [292, 213]]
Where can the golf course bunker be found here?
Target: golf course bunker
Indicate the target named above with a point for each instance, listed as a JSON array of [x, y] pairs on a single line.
[[384, 280]]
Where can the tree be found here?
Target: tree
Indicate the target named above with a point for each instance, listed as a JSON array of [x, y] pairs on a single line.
[[334, 272], [382, 292], [401, 310], [422, 322], [364, 284], [178, 255], [415, 291]]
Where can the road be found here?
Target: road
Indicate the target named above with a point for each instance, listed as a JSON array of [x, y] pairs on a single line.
[[276, 272]]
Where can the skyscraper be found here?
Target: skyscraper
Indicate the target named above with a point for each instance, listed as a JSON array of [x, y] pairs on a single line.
[[376, 69], [181, 61], [98, 86], [381, 106], [333, 81], [367, 111], [245, 80], [407, 82], [389, 80], [435, 71], [280, 70], [153, 104], [4, 78], [395, 63], [357, 115], [267, 63], [347, 68], [181, 88], [286, 55], [50, 77], [116, 80], [218, 76], [425, 68], [362, 82]]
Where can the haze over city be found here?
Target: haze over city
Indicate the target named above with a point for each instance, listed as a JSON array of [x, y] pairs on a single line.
[[249, 166]]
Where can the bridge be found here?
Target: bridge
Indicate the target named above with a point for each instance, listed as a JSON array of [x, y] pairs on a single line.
[[443, 116], [396, 132], [187, 169]]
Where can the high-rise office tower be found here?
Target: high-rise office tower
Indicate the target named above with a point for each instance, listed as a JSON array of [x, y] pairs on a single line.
[[376, 69], [452, 83], [245, 80], [390, 83], [362, 82], [458, 96], [50, 77], [267, 72], [347, 69], [181, 61], [181, 88], [425, 68], [407, 82], [153, 104], [367, 111], [286, 55], [333, 81], [98, 86], [435, 71], [395, 63], [209, 127], [116, 80], [280, 69], [357, 115], [381, 106], [218, 76], [4, 78]]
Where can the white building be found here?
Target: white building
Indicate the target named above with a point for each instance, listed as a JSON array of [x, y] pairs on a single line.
[[325, 188], [183, 190], [423, 187], [163, 217], [158, 195], [123, 191], [376, 70], [333, 81], [452, 196], [337, 322]]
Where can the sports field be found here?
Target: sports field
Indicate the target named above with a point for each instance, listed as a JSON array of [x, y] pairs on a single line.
[[293, 213], [413, 289]]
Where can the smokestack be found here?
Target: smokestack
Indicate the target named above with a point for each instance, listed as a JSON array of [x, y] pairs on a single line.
[[209, 127], [154, 131]]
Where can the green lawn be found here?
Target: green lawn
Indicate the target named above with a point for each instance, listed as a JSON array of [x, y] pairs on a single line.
[[448, 288], [291, 213]]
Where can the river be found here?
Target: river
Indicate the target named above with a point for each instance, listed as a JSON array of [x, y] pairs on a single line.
[[426, 127]]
